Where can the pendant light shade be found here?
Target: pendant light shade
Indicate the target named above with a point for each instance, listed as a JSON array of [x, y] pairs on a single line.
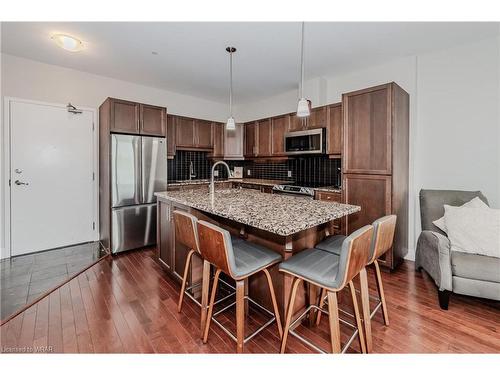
[[230, 124], [303, 106]]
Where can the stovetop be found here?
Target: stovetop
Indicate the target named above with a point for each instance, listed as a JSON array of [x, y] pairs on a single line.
[[314, 185]]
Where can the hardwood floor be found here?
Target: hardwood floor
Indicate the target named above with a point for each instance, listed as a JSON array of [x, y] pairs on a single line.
[[127, 304]]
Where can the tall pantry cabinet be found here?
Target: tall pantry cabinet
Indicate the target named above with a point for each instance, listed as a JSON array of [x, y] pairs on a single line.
[[375, 161]]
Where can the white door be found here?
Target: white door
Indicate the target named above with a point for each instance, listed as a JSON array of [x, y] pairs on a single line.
[[51, 173]]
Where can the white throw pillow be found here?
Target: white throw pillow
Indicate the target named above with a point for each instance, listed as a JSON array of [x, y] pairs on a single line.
[[474, 203], [473, 230]]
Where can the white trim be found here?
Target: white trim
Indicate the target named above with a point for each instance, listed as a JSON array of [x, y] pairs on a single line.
[[5, 251]]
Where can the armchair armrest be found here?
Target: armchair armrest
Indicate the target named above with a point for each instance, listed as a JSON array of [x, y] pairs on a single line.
[[433, 255]]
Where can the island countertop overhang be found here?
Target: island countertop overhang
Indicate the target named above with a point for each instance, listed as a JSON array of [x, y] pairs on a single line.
[[283, 215]]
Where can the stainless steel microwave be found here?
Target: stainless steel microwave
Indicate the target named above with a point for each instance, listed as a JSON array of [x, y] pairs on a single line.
[[305, 142]]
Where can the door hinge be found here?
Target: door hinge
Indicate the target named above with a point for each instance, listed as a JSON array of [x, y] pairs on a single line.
[[93, 126], [9, 181], [93, 225], [93, 176]]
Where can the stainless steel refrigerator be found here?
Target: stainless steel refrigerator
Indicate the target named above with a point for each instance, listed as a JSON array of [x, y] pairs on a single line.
[[138, 170]]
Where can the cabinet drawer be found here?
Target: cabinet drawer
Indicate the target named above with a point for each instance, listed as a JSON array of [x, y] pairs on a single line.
[[326, 196], [331, 197]]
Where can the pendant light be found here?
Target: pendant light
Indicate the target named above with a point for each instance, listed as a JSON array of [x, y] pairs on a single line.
[[303, 106], [230, 124]]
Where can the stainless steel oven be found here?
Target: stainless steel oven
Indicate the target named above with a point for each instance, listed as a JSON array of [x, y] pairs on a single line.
[[305, 142]]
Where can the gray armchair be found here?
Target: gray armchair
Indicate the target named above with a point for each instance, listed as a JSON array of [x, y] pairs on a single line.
[[453, 271]]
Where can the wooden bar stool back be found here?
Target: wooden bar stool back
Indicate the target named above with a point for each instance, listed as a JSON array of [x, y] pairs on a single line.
[[332, 273], [238, 260], [383, 237], [186, 233]]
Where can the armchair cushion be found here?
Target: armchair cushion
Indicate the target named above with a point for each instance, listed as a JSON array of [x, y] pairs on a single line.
[[476, 267], [473, 230], [432, 204], [473, 203]]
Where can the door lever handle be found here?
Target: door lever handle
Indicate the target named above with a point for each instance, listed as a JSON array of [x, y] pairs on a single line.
[[17, 182]]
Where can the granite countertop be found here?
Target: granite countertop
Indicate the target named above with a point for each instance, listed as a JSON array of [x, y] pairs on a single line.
[[276, 213], [255, 181]]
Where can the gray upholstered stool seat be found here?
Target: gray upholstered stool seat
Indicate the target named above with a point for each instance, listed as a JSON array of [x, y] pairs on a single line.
[[315, 265], [250, 258], [236, 239], [332, 244]]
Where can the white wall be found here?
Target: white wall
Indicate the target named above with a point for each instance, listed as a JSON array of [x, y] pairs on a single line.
[[28, 79], [458, 119], [454, 117]]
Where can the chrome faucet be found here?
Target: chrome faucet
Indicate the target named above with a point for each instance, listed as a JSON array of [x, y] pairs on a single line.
[[212, 185], [191, 171]]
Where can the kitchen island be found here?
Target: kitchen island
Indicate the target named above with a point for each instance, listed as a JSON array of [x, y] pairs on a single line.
[[283, 223]]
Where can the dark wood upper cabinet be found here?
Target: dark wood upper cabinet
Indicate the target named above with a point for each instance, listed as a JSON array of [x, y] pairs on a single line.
[[264, 137], [153, 120], [250, 149], [184, 131], [136, 118], [367, 131], [171, 136], [334, 129], [296, 123], [317, 119], [234, 143], [218, 139], [203, 134], [193, 134], [279, 126], [124, 116]]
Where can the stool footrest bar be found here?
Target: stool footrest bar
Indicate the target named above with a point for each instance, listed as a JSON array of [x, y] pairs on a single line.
[[253, 334], [311, 344]]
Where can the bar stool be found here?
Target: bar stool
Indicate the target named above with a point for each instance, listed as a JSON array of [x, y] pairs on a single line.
[[332, 273], [383, 237], [238, 260], [186, 233]]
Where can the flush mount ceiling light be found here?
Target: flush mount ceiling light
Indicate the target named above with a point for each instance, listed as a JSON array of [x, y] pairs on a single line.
[[230, 124], [303, 106], [68, 42]]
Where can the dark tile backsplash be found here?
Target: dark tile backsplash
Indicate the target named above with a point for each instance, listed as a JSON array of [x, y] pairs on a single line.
[[313, 171]]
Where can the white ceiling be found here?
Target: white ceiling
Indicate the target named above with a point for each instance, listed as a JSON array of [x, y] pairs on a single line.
[[192, 59]]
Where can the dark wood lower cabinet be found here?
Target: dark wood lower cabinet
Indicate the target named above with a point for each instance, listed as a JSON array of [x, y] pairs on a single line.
[[374, 194], [163, 235]]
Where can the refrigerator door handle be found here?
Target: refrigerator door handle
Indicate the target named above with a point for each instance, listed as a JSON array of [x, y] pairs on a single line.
[[154, 168]]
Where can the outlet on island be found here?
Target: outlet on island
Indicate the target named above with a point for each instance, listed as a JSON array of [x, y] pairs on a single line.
[[289, 174], [216, 173], [249, 172]]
